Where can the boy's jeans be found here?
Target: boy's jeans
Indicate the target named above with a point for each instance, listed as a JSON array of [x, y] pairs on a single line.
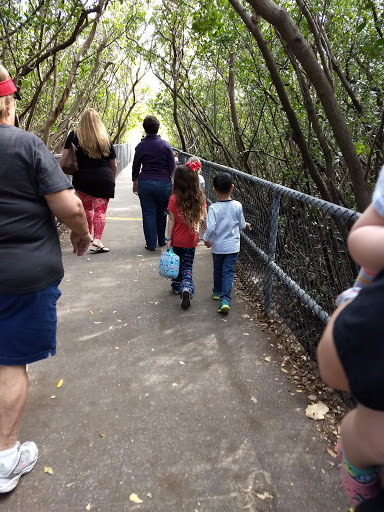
[[223, 272]]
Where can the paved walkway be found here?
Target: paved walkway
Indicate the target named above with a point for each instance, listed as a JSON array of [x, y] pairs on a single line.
[[177, 407]]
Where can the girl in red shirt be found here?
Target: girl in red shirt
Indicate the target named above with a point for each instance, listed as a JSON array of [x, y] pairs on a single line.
[[186, 208]]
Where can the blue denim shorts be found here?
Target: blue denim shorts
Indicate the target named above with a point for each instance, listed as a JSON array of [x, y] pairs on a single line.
[[28, 325]]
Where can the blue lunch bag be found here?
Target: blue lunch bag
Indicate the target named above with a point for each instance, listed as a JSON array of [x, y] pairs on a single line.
[[169, 264]]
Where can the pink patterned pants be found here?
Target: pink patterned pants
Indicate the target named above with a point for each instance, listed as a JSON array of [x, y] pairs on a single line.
[[95, 210]]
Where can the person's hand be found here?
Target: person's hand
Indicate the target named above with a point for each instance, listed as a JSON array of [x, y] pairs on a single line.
[[208, 244], [248, 226], [169, 243], [80, 243], [134, 187]]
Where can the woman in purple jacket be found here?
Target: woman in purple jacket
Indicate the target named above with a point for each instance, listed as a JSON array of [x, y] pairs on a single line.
[[152, 168]]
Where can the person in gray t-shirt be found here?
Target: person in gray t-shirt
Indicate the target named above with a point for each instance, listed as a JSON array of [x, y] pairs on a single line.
[[34, 191], [224, 221]]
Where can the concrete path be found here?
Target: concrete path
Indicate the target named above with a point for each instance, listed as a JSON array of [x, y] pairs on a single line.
[[177, 407]]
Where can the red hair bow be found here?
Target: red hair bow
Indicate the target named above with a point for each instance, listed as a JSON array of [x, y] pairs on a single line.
[[195, 166]]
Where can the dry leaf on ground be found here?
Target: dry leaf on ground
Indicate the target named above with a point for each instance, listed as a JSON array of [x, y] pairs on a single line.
[[134, 497], [316, 411], [264, 495], [60, 383], [48, 469]]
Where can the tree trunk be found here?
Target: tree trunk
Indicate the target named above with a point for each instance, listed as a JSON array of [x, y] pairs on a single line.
[[54, 114], [235, 119], [290, 113], [281, 20]]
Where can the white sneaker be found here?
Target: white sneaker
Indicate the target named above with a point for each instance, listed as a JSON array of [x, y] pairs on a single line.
[[26, 459]]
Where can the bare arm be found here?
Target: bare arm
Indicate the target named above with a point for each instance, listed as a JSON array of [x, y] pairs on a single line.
[[366, 240], [113, 165], [171, 225], [331, 369], [68, 209]]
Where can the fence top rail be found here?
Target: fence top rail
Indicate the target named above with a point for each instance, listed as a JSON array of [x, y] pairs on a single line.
[[339, 211]]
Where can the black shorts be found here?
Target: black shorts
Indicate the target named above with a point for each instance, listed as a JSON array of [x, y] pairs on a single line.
[[359, 340]]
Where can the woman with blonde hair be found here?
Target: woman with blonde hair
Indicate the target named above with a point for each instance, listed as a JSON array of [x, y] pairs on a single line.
[[94, 182]]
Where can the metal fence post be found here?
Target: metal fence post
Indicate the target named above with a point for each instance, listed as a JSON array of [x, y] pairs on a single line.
[[271, 249]]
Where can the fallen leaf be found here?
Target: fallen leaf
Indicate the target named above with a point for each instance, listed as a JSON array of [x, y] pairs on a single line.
[[88, 507], [60, 383], [102, 435], [223, 320], [351, 509], [316, 411], [174, 385], [268, 359], [97, 322], [134, 497], [111, 327], [92, 312], [149, 494], [264, 496], [245, 334], [299, 390], [53, 396], [48, 469], [284, 370], [70, 485], [181, 362], [331, 453]]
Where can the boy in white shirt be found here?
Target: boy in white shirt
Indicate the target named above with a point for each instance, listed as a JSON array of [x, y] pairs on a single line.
[[224, 221]]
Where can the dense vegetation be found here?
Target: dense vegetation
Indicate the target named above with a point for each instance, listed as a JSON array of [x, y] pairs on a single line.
[[289, 90]]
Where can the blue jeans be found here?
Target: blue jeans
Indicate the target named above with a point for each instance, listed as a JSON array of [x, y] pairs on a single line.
[[184, 279], [223, 272], [154, 197]]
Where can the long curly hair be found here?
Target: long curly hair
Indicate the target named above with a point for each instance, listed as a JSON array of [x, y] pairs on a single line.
[[189, 196]]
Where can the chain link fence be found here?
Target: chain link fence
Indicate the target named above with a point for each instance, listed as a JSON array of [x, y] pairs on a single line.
[[295, 259]]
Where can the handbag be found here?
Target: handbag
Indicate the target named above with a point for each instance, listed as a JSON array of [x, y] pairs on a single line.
[[169, 264], [70, 164]]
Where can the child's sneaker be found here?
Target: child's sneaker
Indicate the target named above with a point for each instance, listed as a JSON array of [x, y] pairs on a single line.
[[216, 295], [349, 294], [185, 299], [224, 307], [27, 458]]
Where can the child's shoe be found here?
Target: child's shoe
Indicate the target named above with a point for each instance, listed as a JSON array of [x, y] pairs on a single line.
[[359, 488], [224, 307], [185, 298], [349, 294], [216, 295]]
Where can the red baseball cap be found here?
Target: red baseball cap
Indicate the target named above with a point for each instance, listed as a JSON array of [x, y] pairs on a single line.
[[8, 87]]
